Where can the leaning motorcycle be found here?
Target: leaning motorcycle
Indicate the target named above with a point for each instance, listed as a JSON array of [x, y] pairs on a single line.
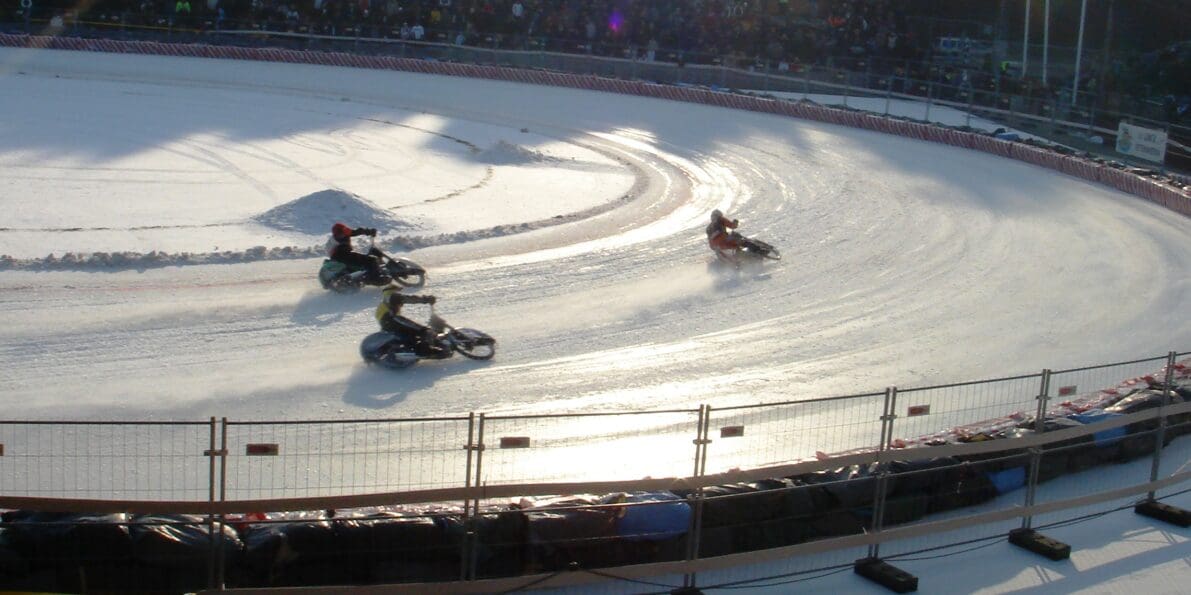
[[394, 351], [342, 278], [750, 248]]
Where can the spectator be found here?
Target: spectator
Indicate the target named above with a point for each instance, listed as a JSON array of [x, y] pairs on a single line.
[[182, 13]]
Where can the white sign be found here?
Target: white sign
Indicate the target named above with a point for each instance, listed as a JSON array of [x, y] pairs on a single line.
[[1145, 143]]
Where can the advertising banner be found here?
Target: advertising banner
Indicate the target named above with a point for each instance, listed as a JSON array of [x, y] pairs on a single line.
[[1145, 143]]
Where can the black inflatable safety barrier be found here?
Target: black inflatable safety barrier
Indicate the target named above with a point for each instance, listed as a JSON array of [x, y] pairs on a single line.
[[926, 476], [352, 550], [1143, 400], [182, 541], [969, 487], [1138, 444], [292, 554], [745, 503], [68, 551], [502, 548], [853, 487], [14, 566], [402, 548], [905, 508], [651, 516], [573, 530]]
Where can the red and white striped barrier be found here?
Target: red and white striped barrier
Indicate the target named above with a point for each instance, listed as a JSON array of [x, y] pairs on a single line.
[[1168, 196]]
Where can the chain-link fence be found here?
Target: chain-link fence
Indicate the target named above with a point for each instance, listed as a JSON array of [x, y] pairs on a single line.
[[270, 460], [179, 505], [110, 460]]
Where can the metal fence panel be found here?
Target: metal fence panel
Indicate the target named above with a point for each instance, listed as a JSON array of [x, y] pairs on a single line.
[[1089, 386], [765, 435], [965, 410], [1175, 456], [106, 460], [1176, 452], [1109, 460], [990, 482], [340, 458], [592, 447]]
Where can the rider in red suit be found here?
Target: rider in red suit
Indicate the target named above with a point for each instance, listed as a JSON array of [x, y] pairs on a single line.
[[718, 236], [339, 247]]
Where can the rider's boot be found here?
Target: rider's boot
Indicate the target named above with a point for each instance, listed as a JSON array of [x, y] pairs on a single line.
[[433, 348]]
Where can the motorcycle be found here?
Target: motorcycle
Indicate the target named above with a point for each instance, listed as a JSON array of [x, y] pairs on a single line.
[[749, 248], [342, 278], [395, 351]]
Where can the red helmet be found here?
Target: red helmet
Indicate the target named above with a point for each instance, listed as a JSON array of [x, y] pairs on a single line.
[[340, 231]]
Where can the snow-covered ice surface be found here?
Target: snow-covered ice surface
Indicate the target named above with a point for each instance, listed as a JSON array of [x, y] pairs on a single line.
[[163, 220], [566, 224]]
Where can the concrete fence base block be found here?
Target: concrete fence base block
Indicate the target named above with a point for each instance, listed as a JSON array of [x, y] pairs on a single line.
[[1164, 512], [1040, 544], [886, 575]]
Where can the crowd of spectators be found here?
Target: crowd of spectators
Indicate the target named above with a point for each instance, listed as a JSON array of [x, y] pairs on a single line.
[[737, 32], [877, 37]]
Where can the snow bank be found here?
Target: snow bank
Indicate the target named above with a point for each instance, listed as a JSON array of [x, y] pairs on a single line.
[[314, 214]]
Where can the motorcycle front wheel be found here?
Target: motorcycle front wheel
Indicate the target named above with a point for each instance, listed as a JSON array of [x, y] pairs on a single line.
[[408, 275], [473, 344]]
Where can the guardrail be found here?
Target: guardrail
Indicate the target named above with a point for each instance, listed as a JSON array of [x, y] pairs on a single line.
[[727, 480]]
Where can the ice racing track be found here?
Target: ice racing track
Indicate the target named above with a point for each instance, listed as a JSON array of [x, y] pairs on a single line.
[[905, 263]]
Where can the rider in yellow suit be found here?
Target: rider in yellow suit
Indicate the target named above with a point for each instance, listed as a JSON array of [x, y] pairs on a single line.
[[424, 339]]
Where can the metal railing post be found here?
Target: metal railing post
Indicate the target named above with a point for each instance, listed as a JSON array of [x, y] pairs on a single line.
[[468, 526], [887, 417], [930, 92], [1160, 436], [704, 431], [997, 91], [471, 506], [695, 528], [1036, 452], [216, 521], [888, 94], [971, 104], [221, 574], [213, 560]]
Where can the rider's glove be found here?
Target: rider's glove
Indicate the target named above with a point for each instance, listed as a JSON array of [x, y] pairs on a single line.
[[431, 299], [736, 222], [370, 231]]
